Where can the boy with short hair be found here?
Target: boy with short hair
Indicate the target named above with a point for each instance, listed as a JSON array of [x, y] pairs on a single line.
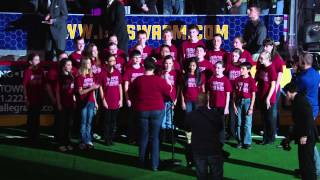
[[142, 40], [188, 47], [244, 98], [217, 54]]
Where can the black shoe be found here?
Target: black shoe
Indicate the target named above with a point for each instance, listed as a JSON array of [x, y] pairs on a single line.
[[239, 145], [225, 154], [246, 146]]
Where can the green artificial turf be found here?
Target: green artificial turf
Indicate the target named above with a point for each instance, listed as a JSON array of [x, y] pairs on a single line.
[[19, 160]]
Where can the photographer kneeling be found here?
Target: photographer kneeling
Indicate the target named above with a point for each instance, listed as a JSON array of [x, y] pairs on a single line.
[[304, 131]]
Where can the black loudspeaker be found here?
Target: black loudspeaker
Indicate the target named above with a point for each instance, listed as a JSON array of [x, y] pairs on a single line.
[[311, 40]]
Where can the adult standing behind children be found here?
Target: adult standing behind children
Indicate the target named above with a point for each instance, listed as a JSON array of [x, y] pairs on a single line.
[[55, 14], [205, 126], [114, 22], [255, 31]]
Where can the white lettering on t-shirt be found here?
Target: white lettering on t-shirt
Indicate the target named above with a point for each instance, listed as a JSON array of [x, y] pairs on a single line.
[[112, 81], [135, 75], [88, 82], [190, 52], [233, 74], [214, 59], [192, 82], [217, 86]]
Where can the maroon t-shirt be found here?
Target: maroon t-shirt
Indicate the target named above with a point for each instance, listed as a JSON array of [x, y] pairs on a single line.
[[52, 76], [216, 56], [191, 91], [34, 82], [188, 49], [264, 77], [244, 57], [120, 53], [218, 88], [76, 59], [120, 63], [131, 74], [173, 52], [147, 51], [205, 65], [244, 87], [85, 82], [176, 65], [148, 93], [174, 78], [66, 90], [110, 83], [278, 63], [233, 72]]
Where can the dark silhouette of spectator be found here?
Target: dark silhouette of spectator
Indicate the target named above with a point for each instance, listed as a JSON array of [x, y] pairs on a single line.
[[114, 22]]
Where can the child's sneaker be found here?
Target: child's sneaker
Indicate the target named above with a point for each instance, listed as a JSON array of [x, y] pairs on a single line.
[[82, 146], [62, 148], [239, 145], [246, 146]]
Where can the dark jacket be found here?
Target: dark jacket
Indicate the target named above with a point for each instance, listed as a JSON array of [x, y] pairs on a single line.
[[114, 21], [302, 115], [205, 126], [59, 13], [254, 34]]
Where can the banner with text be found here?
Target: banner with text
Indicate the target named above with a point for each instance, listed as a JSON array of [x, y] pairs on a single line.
[[25, 32]]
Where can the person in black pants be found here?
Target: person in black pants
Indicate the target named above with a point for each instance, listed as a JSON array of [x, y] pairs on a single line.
[[205, 126], [304, 132], [114, 22]]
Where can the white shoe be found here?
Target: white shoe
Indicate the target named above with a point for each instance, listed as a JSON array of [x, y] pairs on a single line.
[[62, 148]]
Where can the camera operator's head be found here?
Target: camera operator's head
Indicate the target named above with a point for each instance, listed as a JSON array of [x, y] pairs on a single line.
[[291, 89], [305, 61]]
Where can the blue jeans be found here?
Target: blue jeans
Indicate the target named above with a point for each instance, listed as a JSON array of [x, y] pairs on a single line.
[[150, 120], [280, 6], [213, 163], [173, 7], [316, 156], [87, 113], [167, 116], [190, 106], [275, 113], [244, 103], [243, 8], [264, 11], [232, 121]]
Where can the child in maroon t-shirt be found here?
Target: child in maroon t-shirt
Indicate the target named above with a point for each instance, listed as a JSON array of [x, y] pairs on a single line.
[[204, 65], [172, 77], [147, 51], [167, 40], [193, 84], [233, 69], [188, 47], [131, 73], [245, 56], [65, 94], [232, 72], [86, 84], [120, 53], [120, 61], [165, 51], [76, 56], [217, 54], [244, 97], [92, 52], [111, 97], [266, 77], [218, 89], [34, 88]]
